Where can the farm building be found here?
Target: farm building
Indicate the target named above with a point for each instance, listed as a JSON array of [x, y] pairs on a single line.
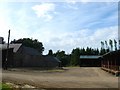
[[1, 40], [111, 62], [90, 61], [9, 59], [29, 57]]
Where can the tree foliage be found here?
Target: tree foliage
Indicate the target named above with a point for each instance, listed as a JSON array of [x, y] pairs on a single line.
[[30, 43], [50, 52], [115, 44], [2, 40], [112, 46], [75, 57], [64, 58]]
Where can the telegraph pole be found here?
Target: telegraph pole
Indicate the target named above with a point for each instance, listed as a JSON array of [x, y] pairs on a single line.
[[119, 44], [7, 50]]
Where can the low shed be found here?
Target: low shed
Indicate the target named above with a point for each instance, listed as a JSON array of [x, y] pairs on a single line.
[[111, 62], [90, 61]]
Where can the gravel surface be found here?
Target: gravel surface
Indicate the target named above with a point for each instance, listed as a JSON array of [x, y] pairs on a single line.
[[71, 77]]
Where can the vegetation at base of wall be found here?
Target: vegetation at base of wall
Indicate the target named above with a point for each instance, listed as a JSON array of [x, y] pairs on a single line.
[[13, 86], [56, 70], [4, 86], [73, 66]]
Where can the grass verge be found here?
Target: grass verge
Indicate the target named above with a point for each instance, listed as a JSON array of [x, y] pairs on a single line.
[[4, 86]]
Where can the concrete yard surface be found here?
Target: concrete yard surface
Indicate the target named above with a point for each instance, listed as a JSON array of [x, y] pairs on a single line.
[[72, 77]]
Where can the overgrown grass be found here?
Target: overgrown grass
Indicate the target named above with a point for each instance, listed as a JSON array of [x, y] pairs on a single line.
[[56, 70], [73, 66], [4, 86]]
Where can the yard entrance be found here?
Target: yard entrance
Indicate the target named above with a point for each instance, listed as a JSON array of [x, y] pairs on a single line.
[[71, 77]]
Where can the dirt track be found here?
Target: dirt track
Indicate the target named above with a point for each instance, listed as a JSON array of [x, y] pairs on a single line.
[[74, 77]]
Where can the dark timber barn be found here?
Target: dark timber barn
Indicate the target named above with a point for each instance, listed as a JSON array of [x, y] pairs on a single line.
[[111, 62], [90, 61], [9, 59], [29, 57]]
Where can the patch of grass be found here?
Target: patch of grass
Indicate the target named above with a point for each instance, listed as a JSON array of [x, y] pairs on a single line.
[[4, 86], [56, 70], [73, 66]]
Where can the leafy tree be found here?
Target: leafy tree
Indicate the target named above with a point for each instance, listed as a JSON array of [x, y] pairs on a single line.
[[115, 44], [82, 51], [2, 40], [60, 54], [65, 59], [106, 44], [107, 47], [102, 51], [30, 43], [94, 52], [50, 52], [88, 51], [102, 44], [111, 44], [75, 55], [97, 51]]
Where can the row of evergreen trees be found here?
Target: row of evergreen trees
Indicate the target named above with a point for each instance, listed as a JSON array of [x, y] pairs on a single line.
[[111, 45], [73, 58]]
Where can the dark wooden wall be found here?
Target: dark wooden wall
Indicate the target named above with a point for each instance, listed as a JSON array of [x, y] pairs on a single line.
[[10, 57], [24, 60], [90, 62]]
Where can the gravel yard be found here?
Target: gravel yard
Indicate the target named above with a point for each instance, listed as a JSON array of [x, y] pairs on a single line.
[[71, 77]]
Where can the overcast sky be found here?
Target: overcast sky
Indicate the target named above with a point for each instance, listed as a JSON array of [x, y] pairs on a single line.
[[60, 25]]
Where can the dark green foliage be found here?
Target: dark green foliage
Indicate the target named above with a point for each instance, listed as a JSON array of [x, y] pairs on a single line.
[[73, 58], [102, 44], [102, 51], [111, 44], [115, 44], [75, 55], [50, 52], [64, 58], [3, 42], [108, 47], [30, 43]]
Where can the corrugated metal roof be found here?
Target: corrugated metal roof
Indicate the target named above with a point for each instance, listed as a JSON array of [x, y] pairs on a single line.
[[27, 50], [14, 46], [30, 51], [89, 56], [51, 58], [111, 52]]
